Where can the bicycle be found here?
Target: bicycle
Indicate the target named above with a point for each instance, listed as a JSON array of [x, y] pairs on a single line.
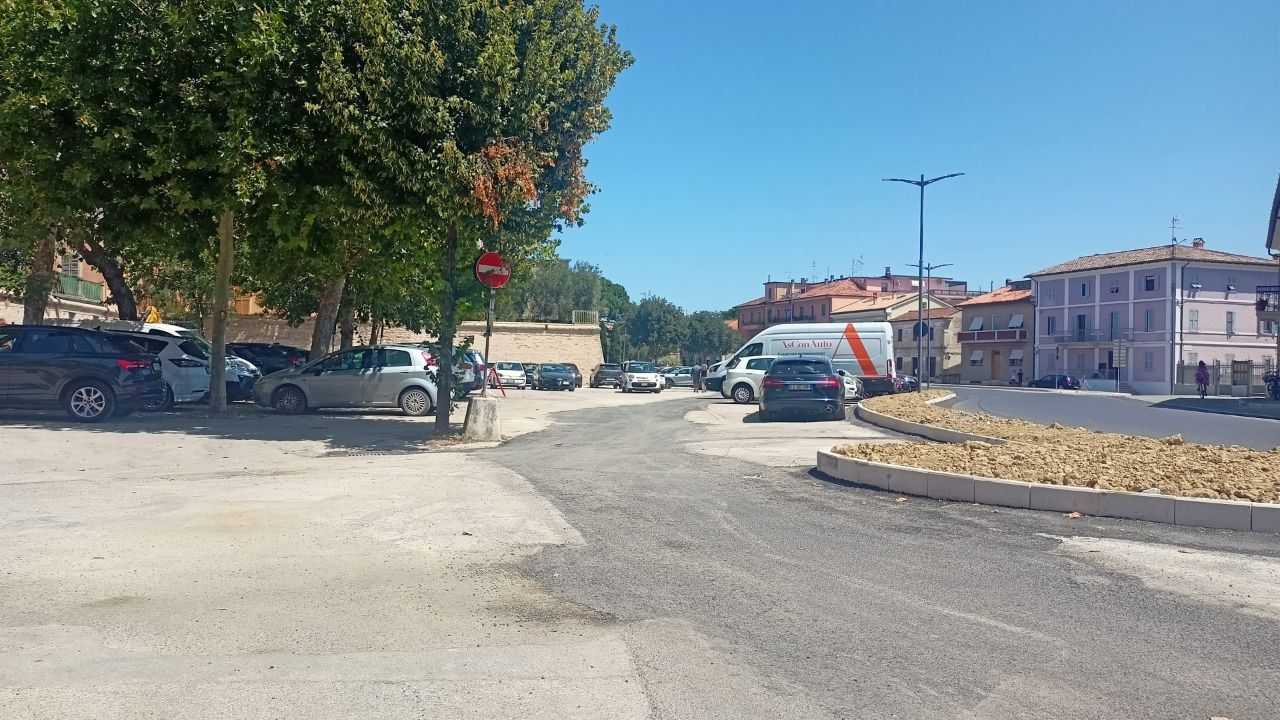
[[1203, 389]]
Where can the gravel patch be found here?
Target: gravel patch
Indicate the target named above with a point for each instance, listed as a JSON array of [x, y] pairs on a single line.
[[1057, 455]]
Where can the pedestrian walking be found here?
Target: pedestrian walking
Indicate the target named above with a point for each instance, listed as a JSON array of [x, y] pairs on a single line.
[[1202, 379], [703, 370], [696, 377]]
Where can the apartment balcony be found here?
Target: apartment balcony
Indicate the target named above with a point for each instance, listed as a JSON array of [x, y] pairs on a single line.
[[1094, 337], [73, 288], [992, 336], [1268, 303]]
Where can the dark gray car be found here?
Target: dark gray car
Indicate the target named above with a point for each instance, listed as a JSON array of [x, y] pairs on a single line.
[[607, 375], [553, 376]]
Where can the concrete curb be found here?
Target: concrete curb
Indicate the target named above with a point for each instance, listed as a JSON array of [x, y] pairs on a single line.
[[930, 432], [1167, 509]]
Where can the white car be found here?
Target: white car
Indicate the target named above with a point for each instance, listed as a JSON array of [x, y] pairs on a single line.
[[854, 390], [184, 365], [742, 382], [640, 377], [511, 374]]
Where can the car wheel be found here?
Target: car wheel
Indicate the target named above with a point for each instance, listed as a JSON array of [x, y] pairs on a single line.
[[415, 402], [289, 400], [670, 383], [743, 394], [572, 389], [162, 403], [88, 401]]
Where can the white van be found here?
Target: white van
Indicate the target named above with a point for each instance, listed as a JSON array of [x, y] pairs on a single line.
[[864, 350]]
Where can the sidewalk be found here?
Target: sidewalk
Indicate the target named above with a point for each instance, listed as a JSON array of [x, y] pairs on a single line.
[[1244, 407]]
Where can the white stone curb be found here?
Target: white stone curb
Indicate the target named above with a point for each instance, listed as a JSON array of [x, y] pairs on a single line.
[[930, 432], [1168, 509]]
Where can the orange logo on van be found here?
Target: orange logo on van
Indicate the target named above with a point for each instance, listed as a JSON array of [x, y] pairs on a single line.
[[860, 351]]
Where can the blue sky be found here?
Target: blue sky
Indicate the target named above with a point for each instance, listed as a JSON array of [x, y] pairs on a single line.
[[750, 137]]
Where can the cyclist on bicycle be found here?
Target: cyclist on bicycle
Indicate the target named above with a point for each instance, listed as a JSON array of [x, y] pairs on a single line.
[[1202, 379]]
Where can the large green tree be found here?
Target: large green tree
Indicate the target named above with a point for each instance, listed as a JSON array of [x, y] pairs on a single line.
[[707, 337], [658, 327]]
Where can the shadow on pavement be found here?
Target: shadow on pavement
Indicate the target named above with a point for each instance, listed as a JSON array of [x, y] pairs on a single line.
[[341, 431]]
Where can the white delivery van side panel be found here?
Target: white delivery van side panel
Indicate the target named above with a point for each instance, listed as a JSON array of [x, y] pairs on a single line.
[[863, 349]]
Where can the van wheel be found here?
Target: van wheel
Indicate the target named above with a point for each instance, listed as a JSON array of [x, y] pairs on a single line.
[[88, 401], [289, 400], [164, 402], [743, 394], [415, 402]]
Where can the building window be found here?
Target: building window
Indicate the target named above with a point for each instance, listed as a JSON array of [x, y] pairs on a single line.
[[1051, 292], [1015, 321], [1114, 288], [975, 324], [1150, 320], [1050, 325], [1193, 321], [995, 322], [1193, 358], [1267, 327], [899, 334], [1015, 357], [1231, 284], [975, 358], [1149, 283], [1084, 289], [1231, 323], [899, 363], [1149, 360], [1231, 357]]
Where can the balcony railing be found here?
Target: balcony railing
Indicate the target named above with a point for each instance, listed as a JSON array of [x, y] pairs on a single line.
[[70, 286], [1268, 302], [993, 335], [1095, 336]]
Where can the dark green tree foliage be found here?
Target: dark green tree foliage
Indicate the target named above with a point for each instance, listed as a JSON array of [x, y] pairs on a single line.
[[658, 327], [707, 337]]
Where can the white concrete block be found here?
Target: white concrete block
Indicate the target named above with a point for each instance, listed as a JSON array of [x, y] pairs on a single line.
[[1064, 498], [1222, 514], [909, 481], [828, 463], [482, 422], [1137, 506], [1006, 493], [1266, 517], [862, 472], [950, 486]]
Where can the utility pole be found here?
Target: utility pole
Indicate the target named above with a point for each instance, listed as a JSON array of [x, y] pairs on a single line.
[[922, 184], [923, 362]]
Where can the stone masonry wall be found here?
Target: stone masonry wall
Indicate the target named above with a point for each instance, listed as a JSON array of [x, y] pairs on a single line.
[[511, 341]]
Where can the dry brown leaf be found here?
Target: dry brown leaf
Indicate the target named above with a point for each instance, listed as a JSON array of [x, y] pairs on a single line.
[[1072, 515], [901, 500]]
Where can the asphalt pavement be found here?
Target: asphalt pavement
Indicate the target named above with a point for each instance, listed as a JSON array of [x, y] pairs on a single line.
[[745, 591], [1119, 414]]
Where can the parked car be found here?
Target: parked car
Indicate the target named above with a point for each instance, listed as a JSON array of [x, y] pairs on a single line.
[[609, 374], [1063, 382], [90, 375], [478, 367], [677, 377], [183, 363], [529, 369], [802, 385], [742, 383], [375, 376], [468, 369], [854, 390], [907, 383], [510, 374], [640, 377], [269, 357], [553, 376], [577, 374]]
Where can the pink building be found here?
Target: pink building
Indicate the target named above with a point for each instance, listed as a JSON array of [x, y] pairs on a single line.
[[1136, 315]]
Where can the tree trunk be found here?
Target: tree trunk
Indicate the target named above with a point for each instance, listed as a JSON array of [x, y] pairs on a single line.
[[326, 316], [41, 278], [112, 272], [347, 324], [375, 331], [448, 328], [221, 300]]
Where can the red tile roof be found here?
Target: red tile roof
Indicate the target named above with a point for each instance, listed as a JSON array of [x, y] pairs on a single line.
[[733, 324], [757, 301], [930, 314], [836, 288], [1151, 254], [999, 295]]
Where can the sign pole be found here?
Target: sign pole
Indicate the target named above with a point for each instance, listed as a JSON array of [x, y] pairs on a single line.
[[488, 332]]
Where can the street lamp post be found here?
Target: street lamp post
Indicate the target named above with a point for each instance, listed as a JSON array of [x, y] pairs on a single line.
[[922, 184], [924, 361]]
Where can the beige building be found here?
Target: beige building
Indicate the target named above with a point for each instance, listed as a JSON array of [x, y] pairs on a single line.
[[885, 307], [78, 293], [995, 335], [942, 348]]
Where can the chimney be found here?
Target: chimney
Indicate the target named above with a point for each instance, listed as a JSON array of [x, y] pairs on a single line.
[[1197, 243], [888, 271]]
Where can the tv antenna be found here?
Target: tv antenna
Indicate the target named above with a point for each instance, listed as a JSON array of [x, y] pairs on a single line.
[[855, 268], [1174, 225]]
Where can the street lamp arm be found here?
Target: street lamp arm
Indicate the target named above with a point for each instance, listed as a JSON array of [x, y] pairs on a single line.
[[942, 177], [909, 182]]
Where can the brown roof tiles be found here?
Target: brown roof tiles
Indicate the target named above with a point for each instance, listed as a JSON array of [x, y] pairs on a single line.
[[1151, 254]]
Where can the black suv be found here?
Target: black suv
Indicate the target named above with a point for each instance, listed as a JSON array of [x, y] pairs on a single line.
[[89, 374], [269, 357], [802, 384], [607, 374]]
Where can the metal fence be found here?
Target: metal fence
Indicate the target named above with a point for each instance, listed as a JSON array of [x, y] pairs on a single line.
[[586, 317], [1239, 377]]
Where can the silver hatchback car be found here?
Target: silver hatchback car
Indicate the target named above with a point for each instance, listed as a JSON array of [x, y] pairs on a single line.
[[377, 376]]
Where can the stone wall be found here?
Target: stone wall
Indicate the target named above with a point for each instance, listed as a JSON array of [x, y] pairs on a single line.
[[513, 341]]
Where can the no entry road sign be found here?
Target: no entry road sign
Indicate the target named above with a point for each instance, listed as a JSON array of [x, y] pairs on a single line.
[[493, 270]]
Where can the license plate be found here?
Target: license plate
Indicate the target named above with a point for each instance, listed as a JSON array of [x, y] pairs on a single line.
[[797, 387]]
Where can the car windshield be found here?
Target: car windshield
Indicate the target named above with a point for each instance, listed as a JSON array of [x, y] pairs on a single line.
[[610, 366], [554, 368], [640, 367], [510, 366], [800, 367]]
